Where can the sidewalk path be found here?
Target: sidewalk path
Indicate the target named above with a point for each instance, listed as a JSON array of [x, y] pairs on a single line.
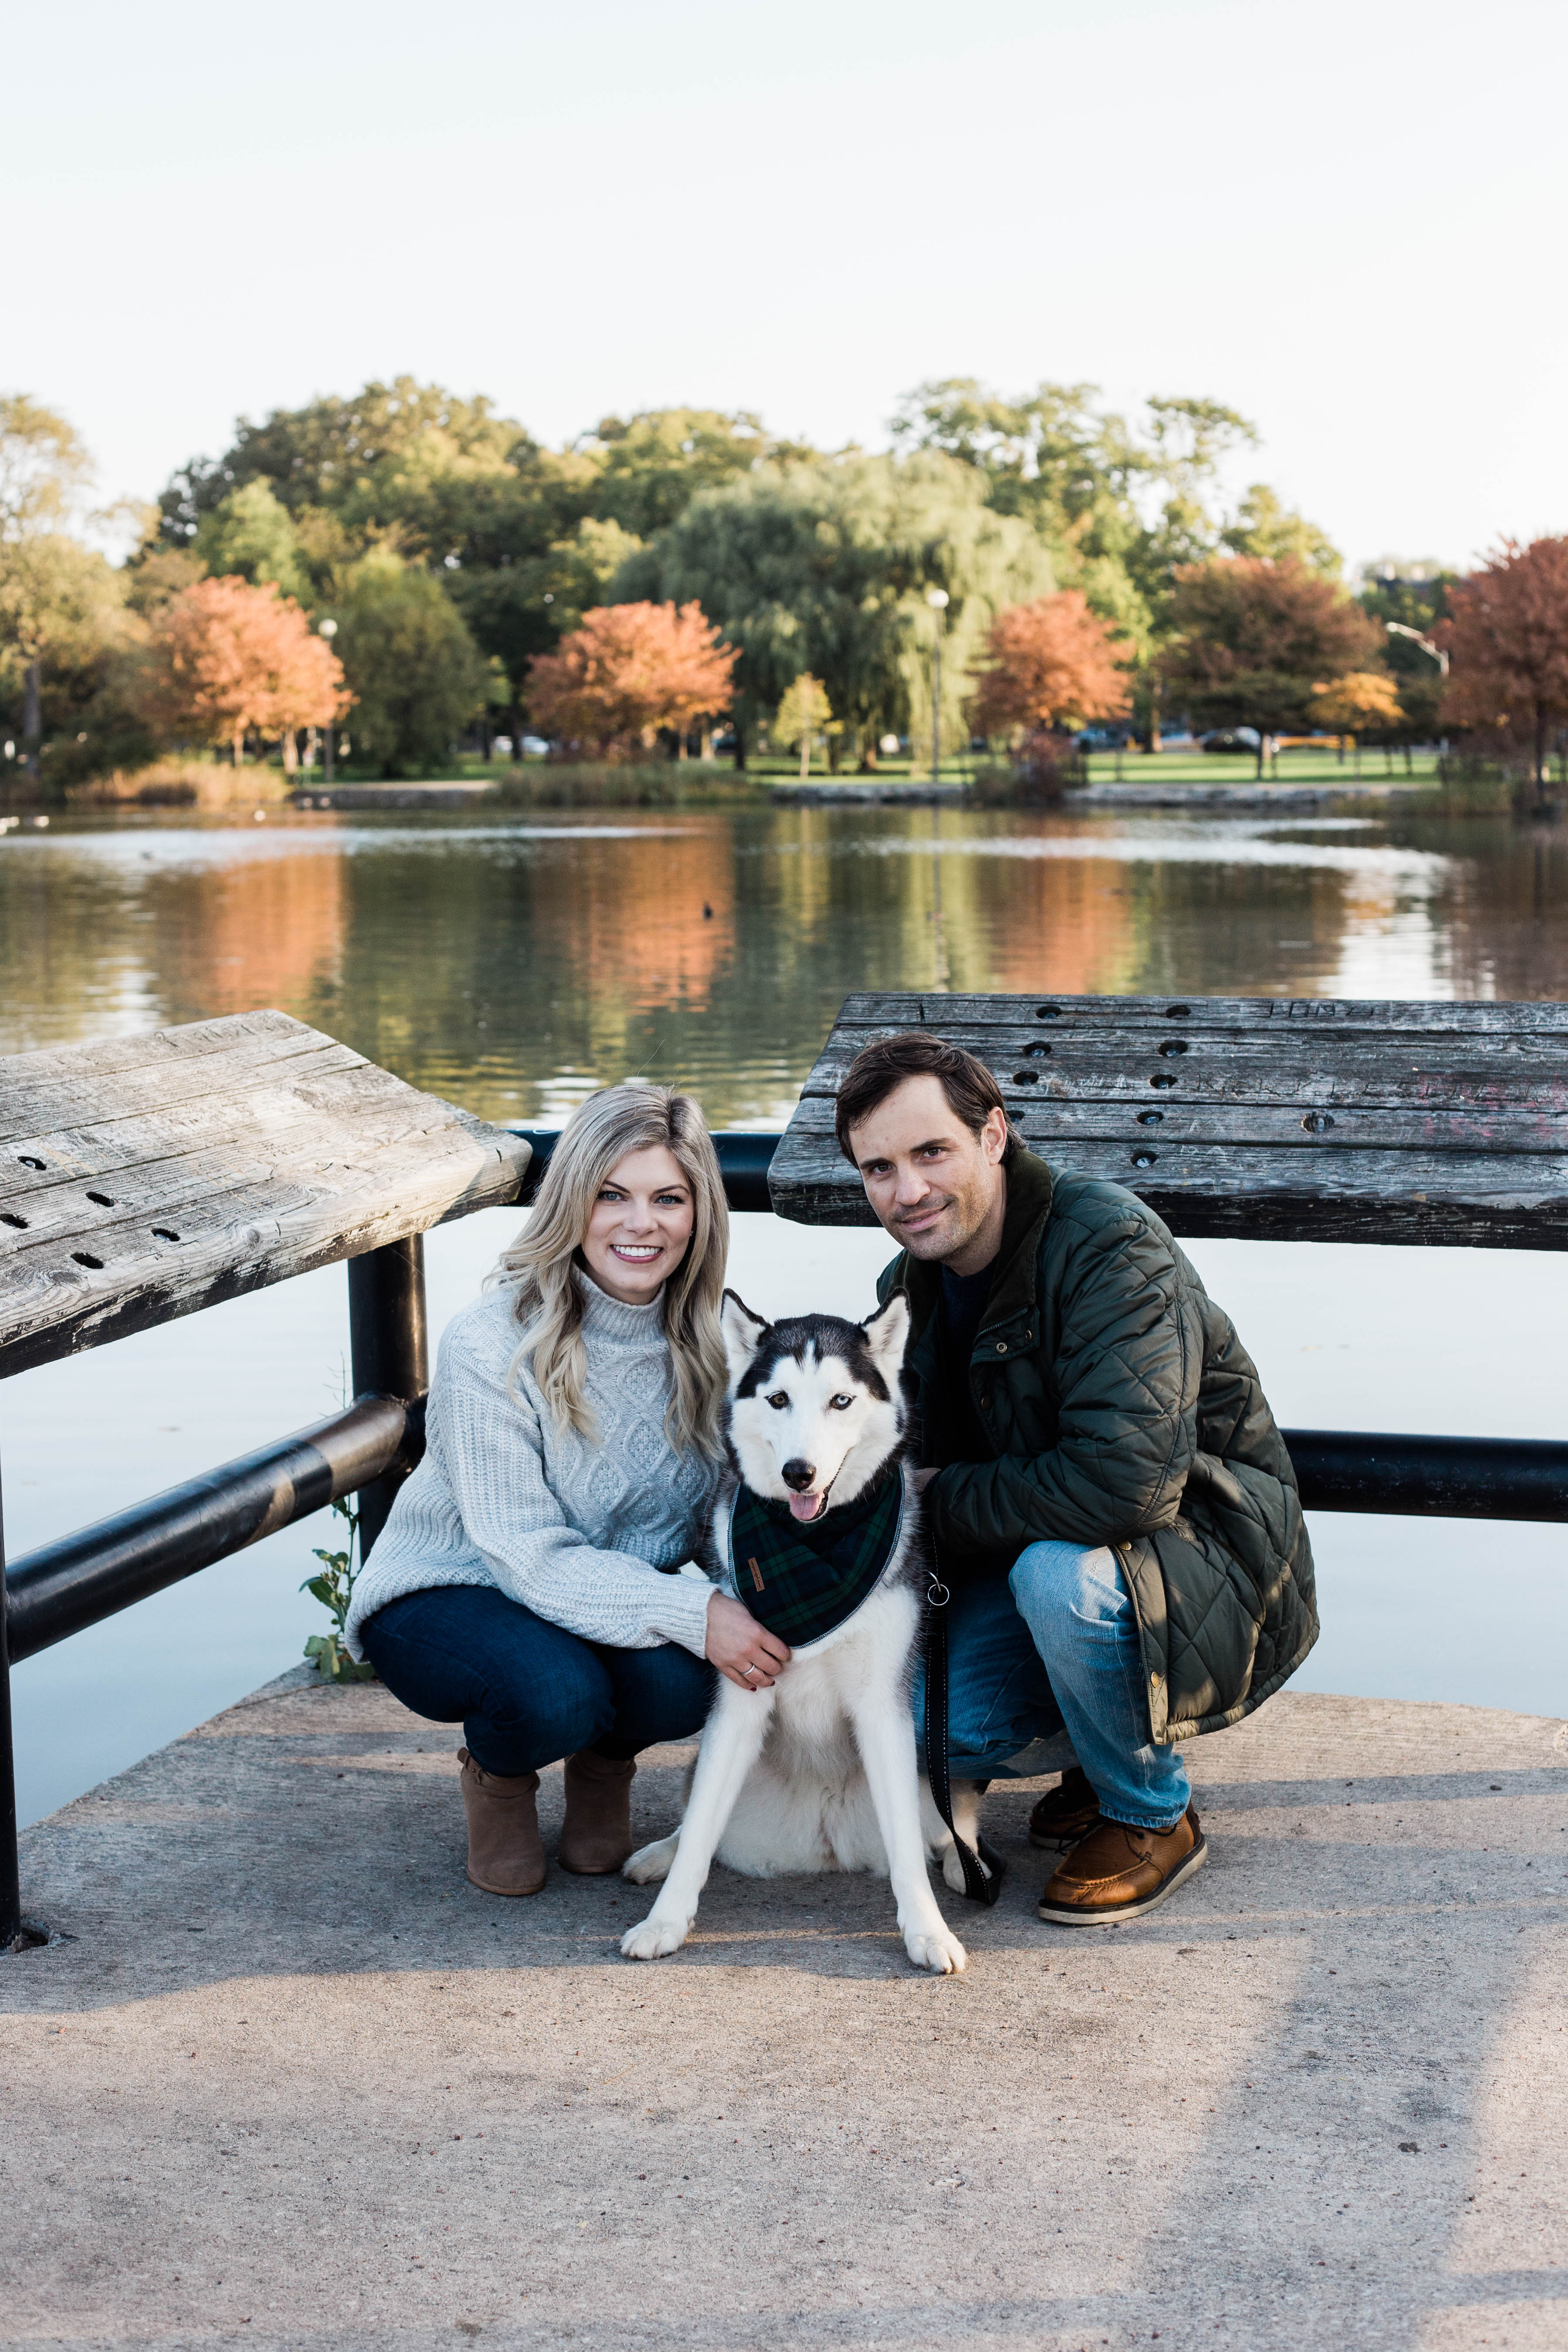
[[295, 2083]]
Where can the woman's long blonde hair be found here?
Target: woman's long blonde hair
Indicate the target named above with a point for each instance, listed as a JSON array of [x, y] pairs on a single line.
[[543, 1260]]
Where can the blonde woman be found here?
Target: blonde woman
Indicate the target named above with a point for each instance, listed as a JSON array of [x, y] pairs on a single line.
[[527, 1582]]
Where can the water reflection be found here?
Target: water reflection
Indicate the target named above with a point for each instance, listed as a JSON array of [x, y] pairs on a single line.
[[516, 966]]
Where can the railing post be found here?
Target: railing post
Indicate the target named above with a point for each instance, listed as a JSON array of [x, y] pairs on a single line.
[[10, 1876], [389, 1352]]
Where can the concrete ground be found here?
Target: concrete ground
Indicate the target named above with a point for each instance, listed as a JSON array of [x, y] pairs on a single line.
[[286, 2053]]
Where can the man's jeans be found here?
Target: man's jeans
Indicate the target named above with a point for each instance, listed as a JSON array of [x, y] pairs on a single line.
[[1043, 1669]]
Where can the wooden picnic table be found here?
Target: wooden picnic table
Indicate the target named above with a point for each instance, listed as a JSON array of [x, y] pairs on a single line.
[[143, 1178], [1273, 1119]]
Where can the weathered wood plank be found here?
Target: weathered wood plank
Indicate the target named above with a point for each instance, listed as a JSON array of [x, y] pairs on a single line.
[[365, 1107], [1441, 1016], [146, 1177], [1164, 1119], [1411, 1122], [1265, 1196], [48, 1088], [1530, 1076]]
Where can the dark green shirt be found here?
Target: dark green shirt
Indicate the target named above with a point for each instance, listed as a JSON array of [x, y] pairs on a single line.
[[960, 1435]]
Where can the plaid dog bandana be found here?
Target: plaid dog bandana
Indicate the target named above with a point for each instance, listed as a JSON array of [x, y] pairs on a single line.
[[800, 1580]]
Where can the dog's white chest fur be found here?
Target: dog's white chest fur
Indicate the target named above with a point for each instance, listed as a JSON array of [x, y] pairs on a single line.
[[806, 1803]]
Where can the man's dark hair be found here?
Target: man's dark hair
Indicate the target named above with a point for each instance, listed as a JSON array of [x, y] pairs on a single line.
[[972, 1094]]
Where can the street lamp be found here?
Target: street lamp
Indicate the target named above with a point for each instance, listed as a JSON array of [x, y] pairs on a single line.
[[329, 629], [938, 599], [1403, 629]]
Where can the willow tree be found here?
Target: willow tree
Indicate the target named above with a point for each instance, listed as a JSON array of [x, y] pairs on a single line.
[[823, 566]]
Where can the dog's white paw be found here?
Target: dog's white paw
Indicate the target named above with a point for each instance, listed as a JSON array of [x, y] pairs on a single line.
[[952, 1869], [656, 1936], [651, 1863], [937, 1949]]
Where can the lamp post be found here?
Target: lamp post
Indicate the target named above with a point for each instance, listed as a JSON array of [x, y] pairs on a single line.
[[328, 629], [937, 598], [1403, 629]]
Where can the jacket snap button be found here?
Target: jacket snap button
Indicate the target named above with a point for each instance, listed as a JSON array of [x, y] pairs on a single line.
[[1001, 1346]]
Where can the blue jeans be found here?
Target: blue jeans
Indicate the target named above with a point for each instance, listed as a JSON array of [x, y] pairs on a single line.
[[527, 1692], [1044, 1670]]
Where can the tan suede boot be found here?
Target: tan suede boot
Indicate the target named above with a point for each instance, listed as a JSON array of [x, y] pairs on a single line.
[[597, 1835], [505, 1856]]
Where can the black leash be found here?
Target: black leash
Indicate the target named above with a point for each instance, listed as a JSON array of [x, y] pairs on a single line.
[[982, 1871]]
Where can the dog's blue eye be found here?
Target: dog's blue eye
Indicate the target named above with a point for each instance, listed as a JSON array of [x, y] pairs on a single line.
[[841, 1404], [779, 1398]]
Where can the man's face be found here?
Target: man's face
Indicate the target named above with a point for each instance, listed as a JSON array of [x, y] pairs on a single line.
[[931, 1181]]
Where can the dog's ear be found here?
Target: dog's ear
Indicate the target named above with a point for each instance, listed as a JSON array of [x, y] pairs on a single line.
[[743, 1333], [887, 1337]]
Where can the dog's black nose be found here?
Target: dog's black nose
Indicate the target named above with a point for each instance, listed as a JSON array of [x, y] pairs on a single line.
[[799, 1475]]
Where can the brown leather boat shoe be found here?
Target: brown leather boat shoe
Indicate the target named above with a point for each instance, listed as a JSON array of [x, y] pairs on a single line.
[[597, 1835], [505, 1855], [1119, 1872], [1065, 1814]]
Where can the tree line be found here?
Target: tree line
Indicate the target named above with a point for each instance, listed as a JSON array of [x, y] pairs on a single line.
[[407, 565]]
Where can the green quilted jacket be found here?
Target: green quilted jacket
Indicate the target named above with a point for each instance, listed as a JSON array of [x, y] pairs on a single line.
[[1121, 1409]]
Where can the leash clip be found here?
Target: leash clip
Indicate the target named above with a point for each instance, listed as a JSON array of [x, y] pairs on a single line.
[[937, 1593]]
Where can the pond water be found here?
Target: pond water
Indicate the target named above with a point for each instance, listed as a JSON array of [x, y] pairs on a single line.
[[515, 965]]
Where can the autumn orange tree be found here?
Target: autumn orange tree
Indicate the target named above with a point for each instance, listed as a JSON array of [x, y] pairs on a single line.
[[225, 657], [628, 670], [1507, 640], [1051, 663], [1360, 700], [1256, 640]]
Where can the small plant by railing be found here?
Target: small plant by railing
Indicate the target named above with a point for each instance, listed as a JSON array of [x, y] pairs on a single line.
[[333, 1587]]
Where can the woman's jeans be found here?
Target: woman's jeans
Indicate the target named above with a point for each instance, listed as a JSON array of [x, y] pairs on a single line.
[[527, 1692], [1043, 1669]]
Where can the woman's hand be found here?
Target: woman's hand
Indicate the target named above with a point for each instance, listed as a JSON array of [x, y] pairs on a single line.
[[736, 1642]]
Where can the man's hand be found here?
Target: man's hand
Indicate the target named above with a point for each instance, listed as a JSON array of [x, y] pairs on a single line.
[[736, 1642]]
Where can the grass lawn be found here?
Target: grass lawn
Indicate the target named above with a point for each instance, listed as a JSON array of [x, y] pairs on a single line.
[[1134, 767]]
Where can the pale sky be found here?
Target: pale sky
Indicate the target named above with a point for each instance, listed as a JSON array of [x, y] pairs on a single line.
[[1345, 220]]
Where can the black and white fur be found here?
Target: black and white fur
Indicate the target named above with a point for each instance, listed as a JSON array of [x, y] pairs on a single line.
[[820, 1772]]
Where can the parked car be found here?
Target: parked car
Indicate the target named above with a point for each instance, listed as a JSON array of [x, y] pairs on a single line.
[[1232, 739]]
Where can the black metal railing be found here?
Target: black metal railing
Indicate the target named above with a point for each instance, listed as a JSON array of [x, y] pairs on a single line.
[[370, 1447], [744, 1158]]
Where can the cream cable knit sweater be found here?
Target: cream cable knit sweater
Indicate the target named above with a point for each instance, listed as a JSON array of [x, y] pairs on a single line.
[[576, 1529]]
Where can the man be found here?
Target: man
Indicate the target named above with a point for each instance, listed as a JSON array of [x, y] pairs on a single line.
[[1112, 1505]]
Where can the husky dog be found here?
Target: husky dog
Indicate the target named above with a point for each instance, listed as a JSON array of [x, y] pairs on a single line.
[[819, 1772]]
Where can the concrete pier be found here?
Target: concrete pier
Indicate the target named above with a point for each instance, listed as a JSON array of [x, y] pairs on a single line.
[[292, 2083]]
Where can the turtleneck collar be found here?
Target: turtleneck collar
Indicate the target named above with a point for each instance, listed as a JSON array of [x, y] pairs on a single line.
[[610, 1319]]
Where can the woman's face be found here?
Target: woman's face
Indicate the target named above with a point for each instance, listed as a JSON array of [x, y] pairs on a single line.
[[640, 1226]]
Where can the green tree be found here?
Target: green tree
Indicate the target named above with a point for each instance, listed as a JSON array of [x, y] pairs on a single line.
[[822, 565], [337, 453], [1118, 503], [418, 676], [1265, 527], [651, 465], [802, 716], [63, 617], [249, 535]]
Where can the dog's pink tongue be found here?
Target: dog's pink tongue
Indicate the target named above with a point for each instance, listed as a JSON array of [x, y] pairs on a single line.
[[804, 1506]]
